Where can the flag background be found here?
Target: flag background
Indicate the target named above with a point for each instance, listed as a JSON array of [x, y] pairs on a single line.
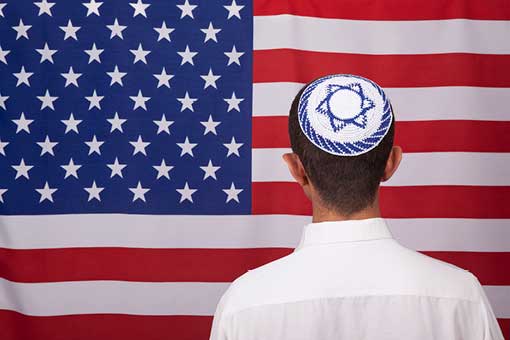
[[154, 268]]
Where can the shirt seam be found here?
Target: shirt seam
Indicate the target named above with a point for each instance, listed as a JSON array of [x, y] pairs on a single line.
[[347, 296], [352, 242], [346, 241]]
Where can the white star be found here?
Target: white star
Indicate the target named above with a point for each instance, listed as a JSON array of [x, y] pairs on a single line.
[[210, 79], [163, 169], [164, 32], [233, 102], [140, 54], [23, 77], [94, 100], [139, 8], [94, 146], [71, 169], [139, 146], [94, 192], [187, 9], [116, 76], [3, 54], [139, 100], [186, 193], [2, 5], [233, 56], [71, 124], [22, 169], [163, 78], [44, 7], [22, 123], [210, 126], [163, 124], [187, 56], [21, 29], [187, 147], [116, 123], [139, 192], [70, 30], [94, 53], [93, 7], [3, 99], [46, 193], [187, 102], [2, 147], [233, 147], [233, 10], [116, 29], [232, 193], [116, 168], [210, 170], [2, 191], [46, 53], [47, 146], [71, 77], [47, 100], [210, 33]]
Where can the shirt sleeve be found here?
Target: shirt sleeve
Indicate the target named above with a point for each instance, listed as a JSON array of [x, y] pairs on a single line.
[[491, 331], [218, 326]]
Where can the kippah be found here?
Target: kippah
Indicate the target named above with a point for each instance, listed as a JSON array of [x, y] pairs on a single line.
[[344, 115]]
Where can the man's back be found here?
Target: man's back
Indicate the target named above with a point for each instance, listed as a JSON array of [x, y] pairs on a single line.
[[352, 280]]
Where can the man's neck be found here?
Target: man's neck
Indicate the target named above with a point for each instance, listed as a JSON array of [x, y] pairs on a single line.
[[322, 214]]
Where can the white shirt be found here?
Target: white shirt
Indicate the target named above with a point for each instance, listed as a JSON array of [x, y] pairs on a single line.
[[351, 280]]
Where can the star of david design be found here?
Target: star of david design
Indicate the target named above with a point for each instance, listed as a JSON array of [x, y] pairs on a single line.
[[339, 120]]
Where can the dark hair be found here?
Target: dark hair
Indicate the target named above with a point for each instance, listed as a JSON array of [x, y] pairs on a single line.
[[345, 184]]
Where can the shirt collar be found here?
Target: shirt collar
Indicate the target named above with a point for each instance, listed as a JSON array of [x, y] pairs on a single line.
[[344, 231]]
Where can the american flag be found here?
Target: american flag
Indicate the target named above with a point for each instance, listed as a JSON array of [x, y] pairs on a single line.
[[141, 143]]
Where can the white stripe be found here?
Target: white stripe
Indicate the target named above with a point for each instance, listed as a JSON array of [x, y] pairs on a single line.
[[430, 168], [450, 234], [90, 297], [150, 231], [137, 298], [499, 298], [409, 104], [173, 231], [452, 168], [381, 37]]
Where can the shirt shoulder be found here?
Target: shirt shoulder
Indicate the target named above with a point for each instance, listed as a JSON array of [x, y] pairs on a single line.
[[252, 287], [308, 274], [346, 281]]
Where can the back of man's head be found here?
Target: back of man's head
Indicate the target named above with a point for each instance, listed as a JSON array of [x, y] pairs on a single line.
[[345, 184]]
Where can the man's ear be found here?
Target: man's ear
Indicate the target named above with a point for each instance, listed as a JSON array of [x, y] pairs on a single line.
[[296, 168], [392, 163]]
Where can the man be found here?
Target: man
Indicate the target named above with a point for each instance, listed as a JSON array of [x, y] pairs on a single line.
[[348, 278]]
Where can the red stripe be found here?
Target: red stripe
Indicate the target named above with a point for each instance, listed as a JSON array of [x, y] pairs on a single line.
[[450, 69], [396, 202], [415, 136], [132, 264], [487, 267], [190, 265], [388, 9], [504, 324], [453, 135], [270, 132], [16, 326]]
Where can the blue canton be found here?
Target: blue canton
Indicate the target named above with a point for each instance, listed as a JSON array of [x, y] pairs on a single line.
[[131, 106]]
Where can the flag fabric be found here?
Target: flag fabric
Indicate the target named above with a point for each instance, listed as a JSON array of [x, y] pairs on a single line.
[[141, 143]]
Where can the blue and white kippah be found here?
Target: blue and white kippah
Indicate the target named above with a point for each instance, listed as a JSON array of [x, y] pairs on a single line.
[[344, 115]]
